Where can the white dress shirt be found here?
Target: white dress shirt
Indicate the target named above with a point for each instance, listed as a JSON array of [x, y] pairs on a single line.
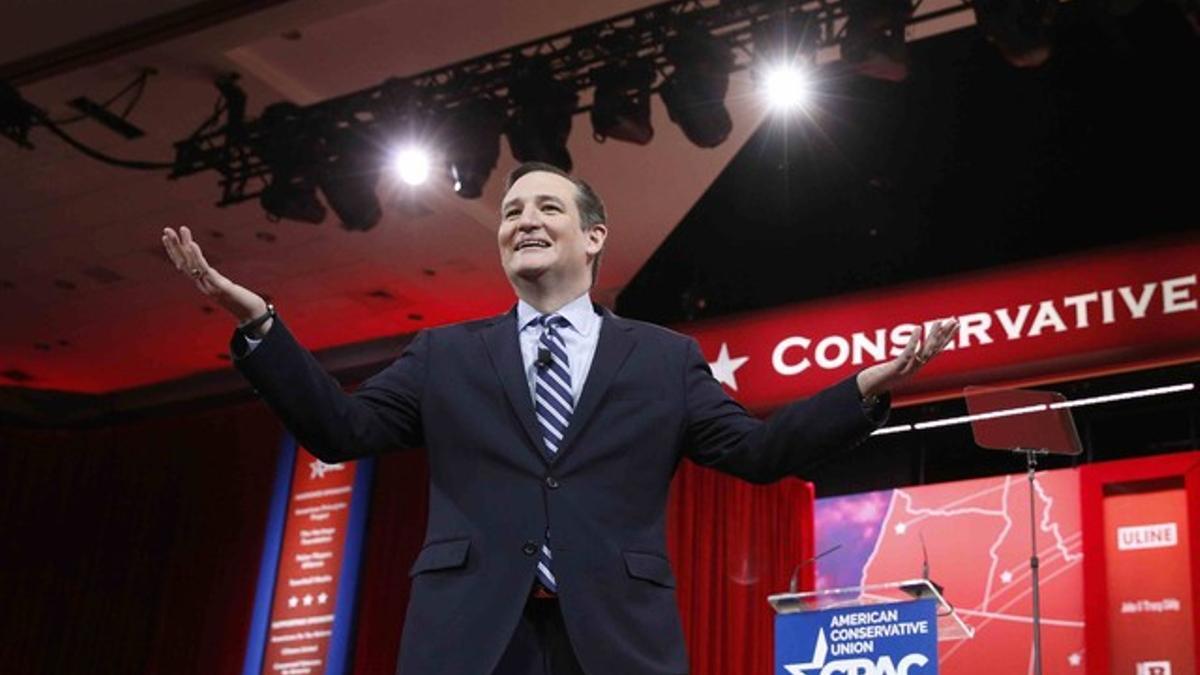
[[581, 336]]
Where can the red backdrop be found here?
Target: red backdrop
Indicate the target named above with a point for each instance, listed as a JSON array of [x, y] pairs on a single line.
[[1101, 569], [135, 548]]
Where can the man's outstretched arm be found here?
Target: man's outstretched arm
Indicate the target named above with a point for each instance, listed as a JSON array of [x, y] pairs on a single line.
[[721, 434], [382, 414]]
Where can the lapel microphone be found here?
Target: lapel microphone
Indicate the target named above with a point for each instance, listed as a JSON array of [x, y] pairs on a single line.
[[543, 358]]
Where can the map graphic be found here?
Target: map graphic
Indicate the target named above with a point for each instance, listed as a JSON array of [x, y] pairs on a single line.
[[978, 541]]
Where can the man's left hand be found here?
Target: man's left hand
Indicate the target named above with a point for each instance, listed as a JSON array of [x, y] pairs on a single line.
[[884, 377]]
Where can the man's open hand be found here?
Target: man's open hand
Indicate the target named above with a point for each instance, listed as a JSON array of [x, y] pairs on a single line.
[[185, 253], [886, 376]]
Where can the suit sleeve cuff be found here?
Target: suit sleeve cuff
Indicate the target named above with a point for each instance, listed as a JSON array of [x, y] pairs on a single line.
[[241, 346], [876, 408]]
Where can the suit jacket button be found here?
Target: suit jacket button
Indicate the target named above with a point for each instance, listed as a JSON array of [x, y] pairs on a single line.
[[552, 482], [529, 548]]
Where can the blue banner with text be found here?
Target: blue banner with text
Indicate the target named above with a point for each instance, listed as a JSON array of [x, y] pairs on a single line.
[[891, 639]]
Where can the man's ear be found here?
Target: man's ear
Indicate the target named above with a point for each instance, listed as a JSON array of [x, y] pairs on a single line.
[[596, 234]]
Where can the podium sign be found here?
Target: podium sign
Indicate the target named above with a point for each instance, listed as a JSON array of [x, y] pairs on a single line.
[[898, 638]]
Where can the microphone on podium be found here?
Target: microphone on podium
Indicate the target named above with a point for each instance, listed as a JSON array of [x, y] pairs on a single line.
[[543, 358], [919, 590], [796, 571]]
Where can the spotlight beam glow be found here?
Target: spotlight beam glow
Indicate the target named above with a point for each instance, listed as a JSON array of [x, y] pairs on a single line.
[[787, 87], [411, 164]]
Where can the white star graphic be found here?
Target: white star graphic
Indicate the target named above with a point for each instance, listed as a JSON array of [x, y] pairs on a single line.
[[901, 528], [318, 468], [1006, 576], [308, 600], [820, 650], [1075, 659], [723, 368], [293, 601], [322, 598]]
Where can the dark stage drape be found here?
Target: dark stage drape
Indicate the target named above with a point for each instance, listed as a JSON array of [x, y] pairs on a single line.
[[134, 548]]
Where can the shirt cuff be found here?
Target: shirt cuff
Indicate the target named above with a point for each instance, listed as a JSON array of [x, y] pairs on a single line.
[[241, 346]]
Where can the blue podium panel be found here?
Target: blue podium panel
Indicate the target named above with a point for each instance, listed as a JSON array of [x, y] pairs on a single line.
[[890, 639]]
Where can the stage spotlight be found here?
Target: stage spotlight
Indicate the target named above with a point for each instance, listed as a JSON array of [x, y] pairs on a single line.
[[785, 39], [784, 49], [411, 165], [291, 149], [874, 41], [787, 87], [17, 115], [348, 179], [472, 144], [1018, 28], [621, 105], [695, 92], [292, 198], [539, 126]]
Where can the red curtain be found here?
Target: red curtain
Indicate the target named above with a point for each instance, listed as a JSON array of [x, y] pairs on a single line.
[[733, 544], [135, 548], [395, 530]]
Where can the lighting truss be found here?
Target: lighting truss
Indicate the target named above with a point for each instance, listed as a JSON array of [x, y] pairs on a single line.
[[234, 149]]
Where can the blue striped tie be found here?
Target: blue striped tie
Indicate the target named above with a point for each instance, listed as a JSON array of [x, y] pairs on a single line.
[[553, 403]]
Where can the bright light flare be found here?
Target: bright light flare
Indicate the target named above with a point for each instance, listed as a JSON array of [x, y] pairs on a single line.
[[411, 164], [787, 87]]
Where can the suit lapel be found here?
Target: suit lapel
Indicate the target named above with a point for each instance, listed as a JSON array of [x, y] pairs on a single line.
[[613, 347], [504, 350]]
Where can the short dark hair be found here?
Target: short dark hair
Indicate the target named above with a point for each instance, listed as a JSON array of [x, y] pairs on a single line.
[[591, 207]]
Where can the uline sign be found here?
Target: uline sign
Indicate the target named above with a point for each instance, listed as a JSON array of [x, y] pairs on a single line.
[[1137, 537]]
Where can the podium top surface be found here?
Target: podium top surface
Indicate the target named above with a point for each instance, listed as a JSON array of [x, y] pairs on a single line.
[[950, 624]]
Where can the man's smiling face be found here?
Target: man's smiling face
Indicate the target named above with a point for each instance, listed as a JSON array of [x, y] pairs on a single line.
[[540, 235]]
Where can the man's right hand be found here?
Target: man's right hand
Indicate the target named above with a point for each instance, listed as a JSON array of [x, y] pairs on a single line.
[[239, 301]]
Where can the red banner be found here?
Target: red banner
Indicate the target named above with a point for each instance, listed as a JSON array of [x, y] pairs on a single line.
[[310, 564], [1069, 317], [1150, 595], [1135, 592]]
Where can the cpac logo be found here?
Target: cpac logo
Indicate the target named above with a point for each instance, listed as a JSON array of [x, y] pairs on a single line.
[[318, 468], [1154, 668], [860, 666]]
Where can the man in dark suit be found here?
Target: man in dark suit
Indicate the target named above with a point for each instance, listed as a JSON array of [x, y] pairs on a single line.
[[553, 431]]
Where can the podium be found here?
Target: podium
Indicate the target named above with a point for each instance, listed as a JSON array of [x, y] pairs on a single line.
[[890, 628]]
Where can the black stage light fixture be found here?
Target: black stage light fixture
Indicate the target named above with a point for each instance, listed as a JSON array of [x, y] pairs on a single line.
[[290, 150], [472, 144], [1019, 29], [17, 115], [695, 92], [784, 40], [621, 104], [292, 197], [874, 41], [541, 122], [348, 178]]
